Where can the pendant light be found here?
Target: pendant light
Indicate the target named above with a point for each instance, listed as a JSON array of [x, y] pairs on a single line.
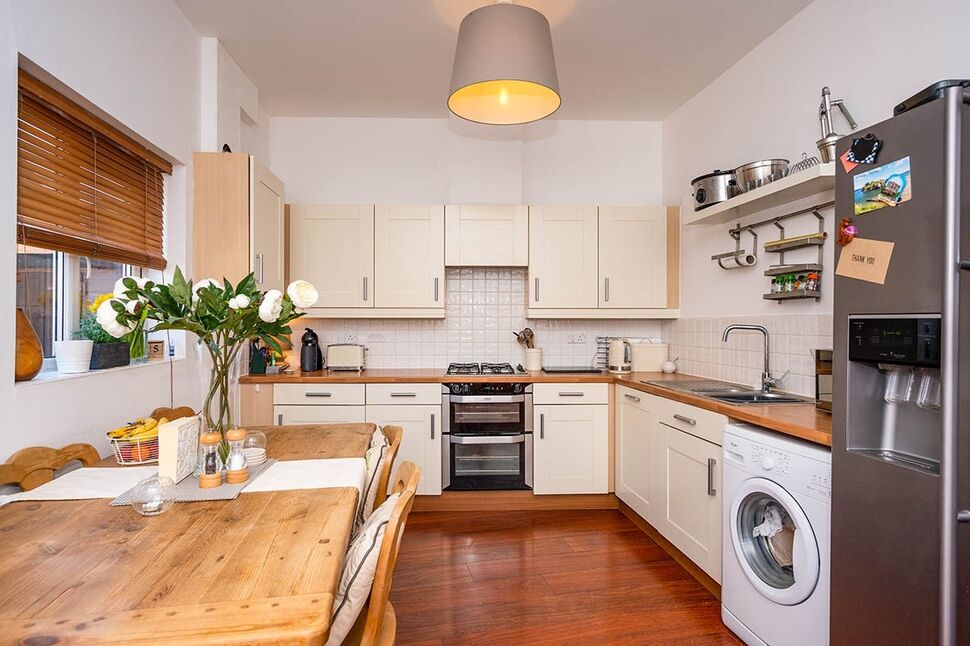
[[504, 71]]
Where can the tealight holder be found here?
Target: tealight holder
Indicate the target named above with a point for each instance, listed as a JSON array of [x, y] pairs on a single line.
[[153, 496]]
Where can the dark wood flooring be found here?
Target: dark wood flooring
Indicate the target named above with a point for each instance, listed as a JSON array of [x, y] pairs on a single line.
[[545, 577]]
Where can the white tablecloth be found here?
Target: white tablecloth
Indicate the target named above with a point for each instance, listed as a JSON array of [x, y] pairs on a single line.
[[311, 474], [86, 483]]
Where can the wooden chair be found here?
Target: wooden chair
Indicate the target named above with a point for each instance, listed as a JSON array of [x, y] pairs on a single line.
[[40, 462], [377, 623], [15, 474], [394, 435]]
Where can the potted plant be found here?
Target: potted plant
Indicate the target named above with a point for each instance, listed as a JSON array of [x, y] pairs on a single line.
[[107, 352], [224, 318]]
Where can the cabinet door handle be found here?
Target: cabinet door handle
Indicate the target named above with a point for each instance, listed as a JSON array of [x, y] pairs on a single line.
[[542, 426], [404, 394], [260, 268], [606, 289], [632, 397], [571, 394], [537, 290], [436, 289], [365, 288], [685, 419], [318, 394], [279, 419], [432, 426], [711, 491]]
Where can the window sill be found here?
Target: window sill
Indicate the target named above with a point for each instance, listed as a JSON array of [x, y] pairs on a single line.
[[52, 376]]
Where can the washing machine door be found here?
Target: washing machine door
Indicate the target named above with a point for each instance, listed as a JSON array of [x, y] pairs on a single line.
[[774, 542]]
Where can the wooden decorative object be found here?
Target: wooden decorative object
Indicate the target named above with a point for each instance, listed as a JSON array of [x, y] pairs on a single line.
[[29, 353], [42, 461]]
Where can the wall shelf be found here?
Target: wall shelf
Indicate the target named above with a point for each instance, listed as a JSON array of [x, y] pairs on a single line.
[[791, 296], [788, 244], [802, 268], [812, 181]]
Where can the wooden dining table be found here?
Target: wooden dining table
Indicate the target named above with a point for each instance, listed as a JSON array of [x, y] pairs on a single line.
[[262, 568]]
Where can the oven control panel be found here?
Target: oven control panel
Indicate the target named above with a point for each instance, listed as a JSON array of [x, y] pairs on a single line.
[[486, 388]]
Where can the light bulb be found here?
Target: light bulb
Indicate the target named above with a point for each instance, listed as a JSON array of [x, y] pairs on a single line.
[[503, 96]]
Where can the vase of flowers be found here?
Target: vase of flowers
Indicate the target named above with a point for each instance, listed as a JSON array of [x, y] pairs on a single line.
[[224, 317]]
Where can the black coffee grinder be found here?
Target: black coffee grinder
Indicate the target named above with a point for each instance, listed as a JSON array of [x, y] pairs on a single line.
[[311, 356]]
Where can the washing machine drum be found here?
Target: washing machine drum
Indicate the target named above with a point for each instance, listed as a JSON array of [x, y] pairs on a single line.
[[774, 542]]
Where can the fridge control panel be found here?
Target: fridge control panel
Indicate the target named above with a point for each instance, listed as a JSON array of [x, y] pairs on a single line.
[[910, 340]]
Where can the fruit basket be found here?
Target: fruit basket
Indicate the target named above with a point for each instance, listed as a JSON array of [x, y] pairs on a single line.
[[136, 451]]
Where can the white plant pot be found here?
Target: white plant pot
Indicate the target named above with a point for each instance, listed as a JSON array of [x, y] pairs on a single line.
[[73, 356]]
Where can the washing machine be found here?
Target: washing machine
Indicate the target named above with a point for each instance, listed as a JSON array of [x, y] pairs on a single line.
[[777, 510]]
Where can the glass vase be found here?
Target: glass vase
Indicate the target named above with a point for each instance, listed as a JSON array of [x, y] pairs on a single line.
[[219, 370]]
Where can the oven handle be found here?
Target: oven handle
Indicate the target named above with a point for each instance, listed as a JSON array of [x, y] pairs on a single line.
[[487, 439], [487, 399]]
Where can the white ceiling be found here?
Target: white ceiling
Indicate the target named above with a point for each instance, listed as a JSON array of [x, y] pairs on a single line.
[[617, 59]]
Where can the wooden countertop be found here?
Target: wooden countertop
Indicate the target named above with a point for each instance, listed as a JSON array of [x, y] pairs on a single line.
[[803, 421], [262, 568]]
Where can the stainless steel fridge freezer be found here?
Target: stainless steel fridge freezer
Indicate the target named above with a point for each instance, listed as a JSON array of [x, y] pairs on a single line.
[[901, 401]]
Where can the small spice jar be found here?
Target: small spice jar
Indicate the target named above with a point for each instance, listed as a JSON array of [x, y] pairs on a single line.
[[776, 284], [236, 466], [811, 282], [211, 475]]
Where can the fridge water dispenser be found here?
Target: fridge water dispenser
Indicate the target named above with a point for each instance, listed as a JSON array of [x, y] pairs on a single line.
[[894, 390]]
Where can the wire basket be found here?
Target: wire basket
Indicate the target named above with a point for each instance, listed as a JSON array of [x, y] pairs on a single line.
[[136, 451]]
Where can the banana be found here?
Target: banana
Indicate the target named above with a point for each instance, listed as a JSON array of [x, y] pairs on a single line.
[[141, 428]]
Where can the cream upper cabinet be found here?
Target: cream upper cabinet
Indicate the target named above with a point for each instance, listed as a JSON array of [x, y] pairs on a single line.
[[332, 246], [632, 256], [640, 444], [409, 256], [486, 236], [562, 257], [571, 449], [269, 255]]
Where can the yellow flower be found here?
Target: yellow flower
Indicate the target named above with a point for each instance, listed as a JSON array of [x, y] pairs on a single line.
[[100, 299]]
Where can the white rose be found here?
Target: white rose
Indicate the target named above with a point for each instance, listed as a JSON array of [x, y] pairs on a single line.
[[120, 289], [107, 318], [302, 293], [272, 306], [202, 284], [239, 302], [116, 329]]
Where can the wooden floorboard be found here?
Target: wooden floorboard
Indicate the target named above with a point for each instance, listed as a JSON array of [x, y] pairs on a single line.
[[545, 577]]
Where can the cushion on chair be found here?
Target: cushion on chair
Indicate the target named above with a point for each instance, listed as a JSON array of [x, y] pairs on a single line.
[[374, 458], [360, 566]]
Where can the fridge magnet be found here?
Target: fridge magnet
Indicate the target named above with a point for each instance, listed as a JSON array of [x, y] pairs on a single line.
[[847, 166], [847, 232], [864, 150], [887, 185], [866, 260]]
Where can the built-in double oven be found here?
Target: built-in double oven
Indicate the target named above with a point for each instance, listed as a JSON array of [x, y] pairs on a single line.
[[487, 436]]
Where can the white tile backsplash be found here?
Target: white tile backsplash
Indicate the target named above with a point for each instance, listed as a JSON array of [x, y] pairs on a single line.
[[696, 342], [483, 308]]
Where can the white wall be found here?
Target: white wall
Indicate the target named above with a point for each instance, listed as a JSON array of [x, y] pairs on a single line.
[[230, 110], [449, 161], [872, 53], [100, 49]]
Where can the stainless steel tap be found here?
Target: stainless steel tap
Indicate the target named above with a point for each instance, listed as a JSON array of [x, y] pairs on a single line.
[[767, 381]]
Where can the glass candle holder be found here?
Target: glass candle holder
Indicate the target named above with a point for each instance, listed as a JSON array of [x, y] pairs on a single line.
[[254, 447], [153, 496], [211, 475], [236, 465]]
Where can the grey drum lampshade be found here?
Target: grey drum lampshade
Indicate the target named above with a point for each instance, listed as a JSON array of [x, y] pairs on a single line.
[[505, 71]]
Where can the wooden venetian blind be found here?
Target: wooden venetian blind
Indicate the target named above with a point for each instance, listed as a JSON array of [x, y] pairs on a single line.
[[83, 186]]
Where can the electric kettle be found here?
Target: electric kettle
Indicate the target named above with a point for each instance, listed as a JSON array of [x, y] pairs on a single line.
[[619, 359], [311, 356]]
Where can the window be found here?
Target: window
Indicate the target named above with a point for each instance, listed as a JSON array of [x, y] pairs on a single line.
[[90, 209]]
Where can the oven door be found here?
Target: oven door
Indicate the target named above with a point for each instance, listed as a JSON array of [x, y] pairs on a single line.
[[490, 462], [489, 415]]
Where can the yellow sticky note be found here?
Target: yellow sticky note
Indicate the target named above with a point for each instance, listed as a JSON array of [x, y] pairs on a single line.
[[866, 260]]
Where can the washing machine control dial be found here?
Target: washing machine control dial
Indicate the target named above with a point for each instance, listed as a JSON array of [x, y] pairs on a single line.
[[767, 462]]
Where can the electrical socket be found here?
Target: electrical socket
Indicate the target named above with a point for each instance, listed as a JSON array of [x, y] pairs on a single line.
[[375, 337], [350, 337], [579, 337]]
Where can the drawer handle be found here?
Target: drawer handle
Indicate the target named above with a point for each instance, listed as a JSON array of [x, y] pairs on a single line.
[[685, 419], [404, 394], [432, 426], [318, 395], [632, 397], [542, 426], [571, 394], [279, 419], [711, 491]]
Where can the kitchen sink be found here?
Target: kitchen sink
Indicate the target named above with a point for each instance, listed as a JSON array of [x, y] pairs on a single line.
[[729, 393], [755, 398]]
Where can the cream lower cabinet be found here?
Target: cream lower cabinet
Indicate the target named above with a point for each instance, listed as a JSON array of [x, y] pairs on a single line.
[[421, 442], [318, 403], [571, 440], [288, 414], [640, 443]]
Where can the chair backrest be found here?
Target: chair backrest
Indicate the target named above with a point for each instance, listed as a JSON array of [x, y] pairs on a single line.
[[405, 483], [42, 461], [394, 435], [15, 474]]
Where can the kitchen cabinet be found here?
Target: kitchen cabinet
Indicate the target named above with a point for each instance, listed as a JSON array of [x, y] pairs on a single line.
[[421, 442], [571, 440], [640, 443], [562, 256], [604, 262], [318, 403], [293, 414], [486, 235], [332, 246], [691, 498], [409, 262], [238, 220], [633, 257]]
